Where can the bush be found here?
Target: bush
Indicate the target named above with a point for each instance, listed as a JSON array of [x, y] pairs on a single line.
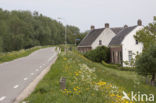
[[117, 66], [110, 65], [99, 54]]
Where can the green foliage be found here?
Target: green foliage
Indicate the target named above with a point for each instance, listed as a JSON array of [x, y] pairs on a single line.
[[99, 54], [1, 48], [68, 66], [146, 63], [24, 29], [147, 35], [119, 67], [5, 57], [110, 65], [81, 36]]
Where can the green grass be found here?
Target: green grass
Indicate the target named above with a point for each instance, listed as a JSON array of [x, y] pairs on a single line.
[[86, 82], [5, 57]]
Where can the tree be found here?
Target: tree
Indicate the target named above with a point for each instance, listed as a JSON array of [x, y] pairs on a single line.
[[72, 33], [147, 35], [146, 63], [24, 29], [1, 44]]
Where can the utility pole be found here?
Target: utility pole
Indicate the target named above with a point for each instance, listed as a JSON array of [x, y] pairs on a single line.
[[65, 39]]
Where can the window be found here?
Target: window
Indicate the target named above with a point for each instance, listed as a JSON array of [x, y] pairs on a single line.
[[100, 42], [130, 56], [136, 41]]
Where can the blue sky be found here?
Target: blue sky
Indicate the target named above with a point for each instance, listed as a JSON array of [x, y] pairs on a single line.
[[83, 13]]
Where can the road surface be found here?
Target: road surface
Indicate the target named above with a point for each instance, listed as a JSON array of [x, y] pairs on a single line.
[[16, 75]]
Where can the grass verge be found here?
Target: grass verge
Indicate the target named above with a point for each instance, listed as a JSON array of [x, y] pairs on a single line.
[[87, 82], [5, 57]]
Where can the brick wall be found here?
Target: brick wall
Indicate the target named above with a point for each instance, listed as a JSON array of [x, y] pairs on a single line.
[[84, 49], [116, 54]]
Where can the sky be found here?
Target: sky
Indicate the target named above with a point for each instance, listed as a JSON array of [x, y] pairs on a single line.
[[84, 13]]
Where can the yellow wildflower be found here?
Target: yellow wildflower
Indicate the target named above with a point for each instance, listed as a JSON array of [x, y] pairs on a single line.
[[101, 83], [76, 73], [65, 58]]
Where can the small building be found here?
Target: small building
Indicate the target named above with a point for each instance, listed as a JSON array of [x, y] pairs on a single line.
[[98, 37], [124, 47]]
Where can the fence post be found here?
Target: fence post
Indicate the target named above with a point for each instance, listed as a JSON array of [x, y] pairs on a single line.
[[63, 83]]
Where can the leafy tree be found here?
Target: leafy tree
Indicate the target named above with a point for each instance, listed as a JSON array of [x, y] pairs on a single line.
[[146, 63], [81, 36], [24, 29], [1, 44], [147, 35], [72, 33]]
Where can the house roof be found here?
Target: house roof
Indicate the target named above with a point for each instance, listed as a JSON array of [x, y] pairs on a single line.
[[116, 30], [91, 37], [121, 35]]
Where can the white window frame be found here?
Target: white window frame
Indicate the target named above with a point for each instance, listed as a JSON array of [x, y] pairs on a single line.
[[130, 56]]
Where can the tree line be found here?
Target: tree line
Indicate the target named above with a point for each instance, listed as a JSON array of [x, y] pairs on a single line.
[[25, 29]]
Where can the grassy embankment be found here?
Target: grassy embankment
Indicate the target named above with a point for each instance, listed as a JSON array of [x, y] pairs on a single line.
[[86, 82], [5, 57]]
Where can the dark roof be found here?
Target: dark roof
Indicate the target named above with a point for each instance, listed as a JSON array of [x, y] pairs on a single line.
[[117, 29], [121, 35], [91, 37]]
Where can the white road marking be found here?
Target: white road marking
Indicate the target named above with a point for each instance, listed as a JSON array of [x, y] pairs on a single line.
[[25, 78], [37, 69], [32, 73], [2, 98], [16, 86], [40, 66], [50, 58]]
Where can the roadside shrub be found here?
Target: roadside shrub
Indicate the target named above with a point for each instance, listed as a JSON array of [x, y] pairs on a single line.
[[110, 65], [99, 54], [117, 66]]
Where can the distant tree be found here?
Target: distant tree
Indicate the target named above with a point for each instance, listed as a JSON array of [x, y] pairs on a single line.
[[146, 63], [72, 33], [1, 44], [24, 29], [81, 36], [147, 35]]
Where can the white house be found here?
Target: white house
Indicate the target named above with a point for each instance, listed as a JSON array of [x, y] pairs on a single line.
[[121, 41], [124, 47], [98, 37]]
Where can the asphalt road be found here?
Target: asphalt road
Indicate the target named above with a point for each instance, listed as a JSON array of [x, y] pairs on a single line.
[[16, 75]]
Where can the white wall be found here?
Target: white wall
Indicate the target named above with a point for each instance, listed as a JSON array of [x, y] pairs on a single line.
[[106, 36], [129, 44]]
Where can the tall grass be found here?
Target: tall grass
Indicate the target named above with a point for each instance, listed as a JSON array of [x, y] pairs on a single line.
[[86, 82], [9, 56]]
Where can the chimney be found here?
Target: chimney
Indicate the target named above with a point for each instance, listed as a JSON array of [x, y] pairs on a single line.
[[125, 26], [107, 25], [139, 22], [92, 27]]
